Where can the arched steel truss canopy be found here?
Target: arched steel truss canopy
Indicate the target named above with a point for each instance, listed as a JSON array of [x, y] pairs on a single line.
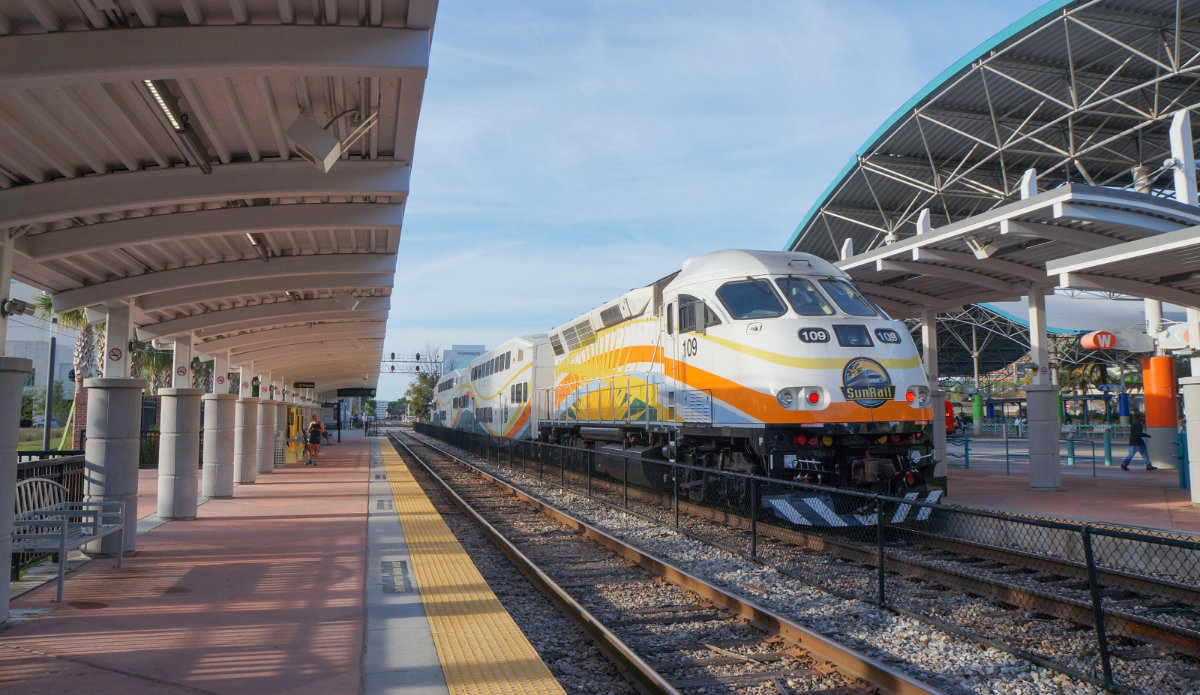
[[266, 258], [1080, 91]]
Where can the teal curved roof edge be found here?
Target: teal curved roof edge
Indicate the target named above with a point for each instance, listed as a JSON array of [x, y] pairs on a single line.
[[1022, 24], [1025, 321]]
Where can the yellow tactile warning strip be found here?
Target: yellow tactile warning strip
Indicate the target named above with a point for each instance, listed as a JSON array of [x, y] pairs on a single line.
[[481, 649]]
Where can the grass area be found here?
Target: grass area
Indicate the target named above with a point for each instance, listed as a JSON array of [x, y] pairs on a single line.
[[30, 438]]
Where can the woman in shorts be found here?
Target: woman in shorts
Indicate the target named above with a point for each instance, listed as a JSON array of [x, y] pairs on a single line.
[[313, 435]]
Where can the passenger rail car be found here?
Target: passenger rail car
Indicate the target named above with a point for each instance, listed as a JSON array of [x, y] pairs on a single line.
[[764, 362]]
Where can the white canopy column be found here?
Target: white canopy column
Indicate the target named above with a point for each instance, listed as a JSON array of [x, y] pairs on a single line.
[[1041, 402], [179, 440], [216, 479], [113, 432], [12, 378], [245, 443], [937, 398], [266, 425]]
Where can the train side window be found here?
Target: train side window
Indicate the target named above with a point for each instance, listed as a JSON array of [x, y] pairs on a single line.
[[710, 316], [687, 313], [671, 318]]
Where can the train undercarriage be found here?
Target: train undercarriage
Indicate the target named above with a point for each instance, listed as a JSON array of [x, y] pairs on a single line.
[[885, 458]]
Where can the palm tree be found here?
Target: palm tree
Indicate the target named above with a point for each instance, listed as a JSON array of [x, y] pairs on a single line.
[[84, 356], [153, 366]]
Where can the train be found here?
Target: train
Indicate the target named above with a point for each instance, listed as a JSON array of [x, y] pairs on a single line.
[[765, 362]]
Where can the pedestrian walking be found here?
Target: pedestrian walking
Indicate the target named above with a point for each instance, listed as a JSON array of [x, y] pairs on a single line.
[[315, 429], [1137, 444]]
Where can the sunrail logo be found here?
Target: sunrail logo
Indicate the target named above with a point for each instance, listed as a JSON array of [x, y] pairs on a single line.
[[866, 382]]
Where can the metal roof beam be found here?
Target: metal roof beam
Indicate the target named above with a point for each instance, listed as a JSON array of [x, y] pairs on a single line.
[[964, 276], [1169, 243], [265, 315], [205, 52], [262, 285], [255, 219], [969, 262], [280, 268], [1066, 235], [308, 349], [85, 196], [1134, 288], [366, 329]]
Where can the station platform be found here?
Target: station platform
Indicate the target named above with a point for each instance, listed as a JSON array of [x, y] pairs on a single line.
[[335, 579], [1090, 490]]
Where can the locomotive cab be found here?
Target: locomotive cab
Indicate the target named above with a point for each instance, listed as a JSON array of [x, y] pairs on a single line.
[[811, 380]]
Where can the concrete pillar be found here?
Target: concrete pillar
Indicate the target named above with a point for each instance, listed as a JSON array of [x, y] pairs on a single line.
[[111, 453], [179, 451], [1042, 403], [281, 424], [1044, 470], [217, 477], [937, 396], [245, 441], [266, 432], [118, 328], [12, 377], [1191, 411]]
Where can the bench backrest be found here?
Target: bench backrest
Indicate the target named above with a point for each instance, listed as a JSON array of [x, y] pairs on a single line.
[[39, 493]]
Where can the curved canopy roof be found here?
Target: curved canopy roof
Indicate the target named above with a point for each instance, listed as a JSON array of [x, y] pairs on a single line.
[[1081, 91], [145, 159]]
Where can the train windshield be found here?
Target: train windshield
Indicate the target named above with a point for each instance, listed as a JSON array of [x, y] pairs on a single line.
[[848, 298], [750, 299], [804, 297]]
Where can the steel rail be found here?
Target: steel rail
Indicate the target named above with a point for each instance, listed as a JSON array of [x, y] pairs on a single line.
[[849, 661], [646, 677]]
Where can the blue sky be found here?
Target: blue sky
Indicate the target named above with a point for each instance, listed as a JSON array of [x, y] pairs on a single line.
[[568, 151]]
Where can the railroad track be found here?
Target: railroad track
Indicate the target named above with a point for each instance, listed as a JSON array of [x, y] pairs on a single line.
[[1141, 608], [673, 631], [1031, 606]]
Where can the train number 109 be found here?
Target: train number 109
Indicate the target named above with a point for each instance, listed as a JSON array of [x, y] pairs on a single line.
[[690, 347], [814, 335]]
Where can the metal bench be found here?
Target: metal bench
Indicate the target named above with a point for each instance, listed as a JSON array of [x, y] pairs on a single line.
[[46, 522]]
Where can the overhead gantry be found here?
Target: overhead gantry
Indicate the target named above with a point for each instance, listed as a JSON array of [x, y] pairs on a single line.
[[221, 178]]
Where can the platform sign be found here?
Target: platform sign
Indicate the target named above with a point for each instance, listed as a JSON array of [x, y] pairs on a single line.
[[356, 393], [304, 384]]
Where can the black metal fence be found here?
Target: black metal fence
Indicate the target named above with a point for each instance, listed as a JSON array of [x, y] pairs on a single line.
[[1083, 585]]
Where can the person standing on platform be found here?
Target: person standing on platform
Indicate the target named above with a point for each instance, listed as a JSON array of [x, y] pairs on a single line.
[[316, 428], [1137, 444]]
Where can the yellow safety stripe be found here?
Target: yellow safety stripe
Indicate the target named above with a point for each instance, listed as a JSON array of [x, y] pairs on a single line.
[[481, 649]]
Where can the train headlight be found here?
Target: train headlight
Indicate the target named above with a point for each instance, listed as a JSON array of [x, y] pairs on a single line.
[[917, 396], [785, 398]]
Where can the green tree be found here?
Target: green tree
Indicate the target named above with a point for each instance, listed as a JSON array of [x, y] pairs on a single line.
[[420, 395], [84, 357]]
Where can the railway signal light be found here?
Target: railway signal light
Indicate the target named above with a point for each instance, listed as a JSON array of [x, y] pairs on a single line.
[[393, 356], [418, 357], [417, 368]]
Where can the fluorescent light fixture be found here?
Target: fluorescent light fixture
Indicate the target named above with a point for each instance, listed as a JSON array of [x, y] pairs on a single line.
[[162, 104], [179, 124], [259, 248]]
